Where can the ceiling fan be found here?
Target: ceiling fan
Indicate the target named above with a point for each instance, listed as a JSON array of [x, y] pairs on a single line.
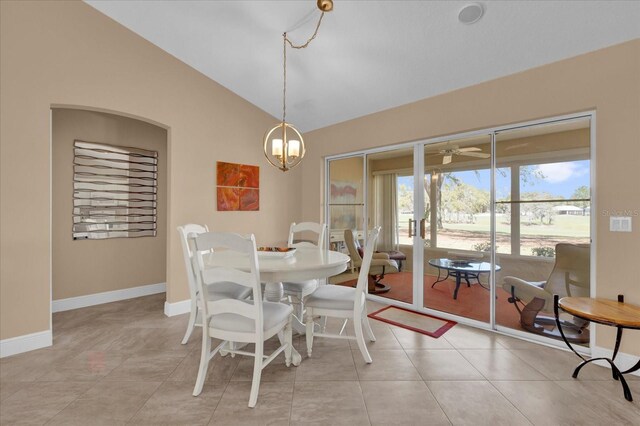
[[471, 151]]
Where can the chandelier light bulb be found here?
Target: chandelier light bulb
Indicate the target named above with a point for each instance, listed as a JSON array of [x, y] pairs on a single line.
[[293, 148], [276, 148]]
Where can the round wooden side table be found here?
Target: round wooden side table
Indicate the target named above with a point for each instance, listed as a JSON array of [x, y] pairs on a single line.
[[601, 311]]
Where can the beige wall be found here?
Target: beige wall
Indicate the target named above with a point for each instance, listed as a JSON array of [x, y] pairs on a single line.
[[94, 266], [607, 81], [66, 53]]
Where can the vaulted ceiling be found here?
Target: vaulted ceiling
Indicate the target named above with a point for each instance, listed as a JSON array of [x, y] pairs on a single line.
[[369, 55]]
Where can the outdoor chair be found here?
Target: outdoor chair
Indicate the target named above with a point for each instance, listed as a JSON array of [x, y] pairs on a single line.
[[569, 277], [381, 264]]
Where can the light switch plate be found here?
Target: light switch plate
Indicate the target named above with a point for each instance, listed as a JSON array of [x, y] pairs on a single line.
[[620, 224]]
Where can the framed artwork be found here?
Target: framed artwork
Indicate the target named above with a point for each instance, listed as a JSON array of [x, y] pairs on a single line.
[[238, 187], [345, 208], [343, 192], [343, 217]]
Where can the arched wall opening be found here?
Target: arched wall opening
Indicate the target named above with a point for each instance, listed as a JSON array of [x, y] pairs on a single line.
[[97, 271]]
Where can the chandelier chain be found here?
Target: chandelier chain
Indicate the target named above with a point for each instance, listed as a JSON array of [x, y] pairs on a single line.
[[284, 79], [284, 63], [315, 33]]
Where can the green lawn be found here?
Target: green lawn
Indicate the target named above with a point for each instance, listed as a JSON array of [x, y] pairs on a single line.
[[564, 228]]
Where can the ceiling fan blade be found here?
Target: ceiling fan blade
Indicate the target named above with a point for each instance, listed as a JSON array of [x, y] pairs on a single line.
[[471, 148], [446, 159], [516, 146], [476, 154]]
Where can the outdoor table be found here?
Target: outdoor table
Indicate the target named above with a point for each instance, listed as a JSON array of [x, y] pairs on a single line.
[[461, 269]]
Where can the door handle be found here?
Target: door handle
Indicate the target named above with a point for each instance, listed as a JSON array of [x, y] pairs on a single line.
[[423, 228], [412, 228]]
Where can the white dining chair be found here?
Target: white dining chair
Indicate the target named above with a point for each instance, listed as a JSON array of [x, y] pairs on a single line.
[[299, 290], [228, 290], [233, 320], [338, 301]]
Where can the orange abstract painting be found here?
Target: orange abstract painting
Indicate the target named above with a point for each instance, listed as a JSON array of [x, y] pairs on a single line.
[[228, 174], [249, 176], [228, 199], [238, 187], [249, 199]]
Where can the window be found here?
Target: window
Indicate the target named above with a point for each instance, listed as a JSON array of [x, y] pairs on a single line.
[[547, 204], [551, 204], [405, 208], [462, 208]]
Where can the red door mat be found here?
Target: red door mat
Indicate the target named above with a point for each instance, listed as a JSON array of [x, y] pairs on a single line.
[[414, 321]]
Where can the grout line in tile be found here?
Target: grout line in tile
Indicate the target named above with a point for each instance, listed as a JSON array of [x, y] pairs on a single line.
[[144, 403], [219, 400], [508, 400], [364, 402], [530, 365], [437, 402]]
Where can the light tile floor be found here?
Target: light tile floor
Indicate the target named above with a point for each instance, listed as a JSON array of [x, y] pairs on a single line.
[[122, 363]]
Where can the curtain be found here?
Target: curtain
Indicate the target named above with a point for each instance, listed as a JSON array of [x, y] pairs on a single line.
[[385, 211]]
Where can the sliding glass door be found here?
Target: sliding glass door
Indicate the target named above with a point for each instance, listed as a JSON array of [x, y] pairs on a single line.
[[456, 226], [484, 226], [390, 205], [543, 221]]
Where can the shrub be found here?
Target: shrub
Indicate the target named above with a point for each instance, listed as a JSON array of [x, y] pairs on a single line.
[[544, 251], [486, 246]]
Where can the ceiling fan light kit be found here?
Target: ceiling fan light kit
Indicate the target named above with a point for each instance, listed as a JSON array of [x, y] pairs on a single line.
[[283, 144]]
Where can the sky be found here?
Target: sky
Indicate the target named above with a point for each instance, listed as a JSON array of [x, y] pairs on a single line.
[[560, 179]]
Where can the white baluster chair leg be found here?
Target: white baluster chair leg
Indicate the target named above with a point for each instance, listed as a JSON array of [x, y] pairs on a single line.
[[257, 373], [309, 332], [204, 362], [192, 322], [289, 341], [367, 327], [357, 325], [300, 309]]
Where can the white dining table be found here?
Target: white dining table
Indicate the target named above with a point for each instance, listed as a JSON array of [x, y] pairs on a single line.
[[306, 263]]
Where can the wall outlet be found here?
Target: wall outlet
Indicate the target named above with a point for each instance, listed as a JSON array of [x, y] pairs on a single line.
[[620, 224]]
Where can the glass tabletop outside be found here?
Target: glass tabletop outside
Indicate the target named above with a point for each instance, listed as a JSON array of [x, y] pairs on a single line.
[[473, 266]]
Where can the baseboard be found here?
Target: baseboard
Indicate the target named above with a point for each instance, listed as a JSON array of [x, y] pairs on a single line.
[[26, 343], [106, 297], [177, 308], [623, 361]]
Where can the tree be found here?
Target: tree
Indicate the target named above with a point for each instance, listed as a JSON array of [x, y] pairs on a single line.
[[451, 180], [405, 198], [462, 198], [538, 211], [582, 192], [531, 174]]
